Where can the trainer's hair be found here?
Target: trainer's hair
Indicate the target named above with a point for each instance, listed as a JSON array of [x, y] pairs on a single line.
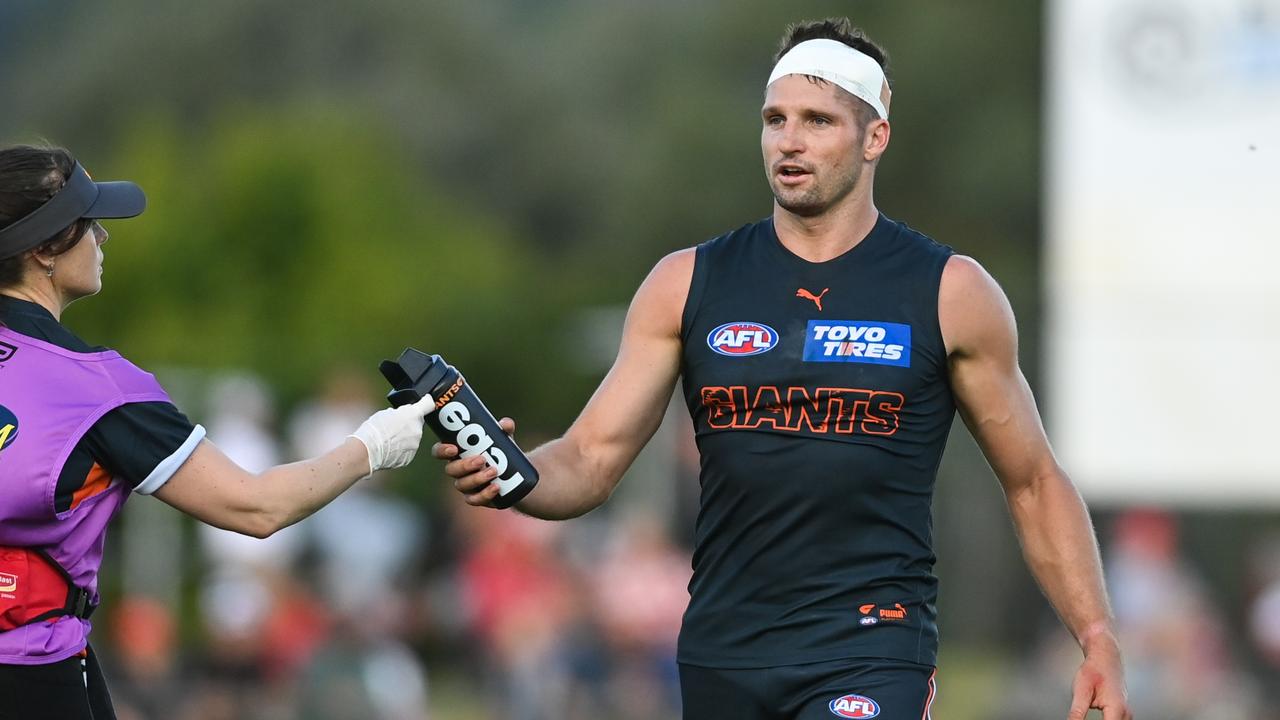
[[29, 176], [841, 30]]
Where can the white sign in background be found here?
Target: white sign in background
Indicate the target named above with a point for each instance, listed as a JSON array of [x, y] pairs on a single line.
[[1163, 262]]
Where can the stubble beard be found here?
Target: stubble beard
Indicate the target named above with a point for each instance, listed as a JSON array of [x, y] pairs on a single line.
[[818, 197]]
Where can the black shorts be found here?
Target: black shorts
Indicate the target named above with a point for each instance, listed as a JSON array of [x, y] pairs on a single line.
[[71, 689], [860, 688]]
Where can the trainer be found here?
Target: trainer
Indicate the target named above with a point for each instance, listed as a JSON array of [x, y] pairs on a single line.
[[81, 428], [824, 351]]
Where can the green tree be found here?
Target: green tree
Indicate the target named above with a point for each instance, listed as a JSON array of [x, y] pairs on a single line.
[[290, 241]]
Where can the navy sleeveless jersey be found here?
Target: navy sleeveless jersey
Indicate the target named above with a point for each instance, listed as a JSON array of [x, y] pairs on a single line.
[[821, 405]]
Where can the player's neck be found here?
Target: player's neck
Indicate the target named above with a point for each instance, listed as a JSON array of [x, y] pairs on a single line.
[[819, 238]]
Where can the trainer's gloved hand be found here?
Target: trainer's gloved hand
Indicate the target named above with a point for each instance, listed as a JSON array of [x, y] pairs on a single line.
[[392, 435]]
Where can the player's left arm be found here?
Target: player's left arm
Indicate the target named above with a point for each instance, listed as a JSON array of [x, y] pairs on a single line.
[[1051, 519]]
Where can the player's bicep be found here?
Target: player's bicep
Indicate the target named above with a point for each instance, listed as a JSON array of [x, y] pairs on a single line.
[[629, 405], [991, 393]]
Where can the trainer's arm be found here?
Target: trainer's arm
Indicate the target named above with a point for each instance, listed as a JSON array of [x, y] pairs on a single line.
[[212, 488], [579, 471], [1051, 519]]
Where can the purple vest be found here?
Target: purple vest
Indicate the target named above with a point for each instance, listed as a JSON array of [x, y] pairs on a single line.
[[49, 399]]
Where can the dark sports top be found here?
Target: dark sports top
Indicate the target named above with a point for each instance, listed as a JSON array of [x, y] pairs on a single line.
[[821, 405], [128, 443]]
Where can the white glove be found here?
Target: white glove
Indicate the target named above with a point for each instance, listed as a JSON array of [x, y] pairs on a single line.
[[392, 435]]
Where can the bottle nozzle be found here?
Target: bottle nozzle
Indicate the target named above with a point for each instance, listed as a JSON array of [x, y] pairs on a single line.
[[395, 374]]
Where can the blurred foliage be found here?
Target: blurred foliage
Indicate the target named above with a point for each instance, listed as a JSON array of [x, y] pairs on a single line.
[[301, 156], [294, 241]]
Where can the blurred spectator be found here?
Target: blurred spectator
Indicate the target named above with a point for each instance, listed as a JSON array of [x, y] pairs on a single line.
[[1172, 632], [241, 413], [576, 621], [1264, 616], [364, 672], [366, 543], [344, 399], [262, 628], [366, 539], [258, 633], [144, 667], [641, 591], [519, 597]]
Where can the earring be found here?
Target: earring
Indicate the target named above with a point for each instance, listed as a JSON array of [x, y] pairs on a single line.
[[49, 271]]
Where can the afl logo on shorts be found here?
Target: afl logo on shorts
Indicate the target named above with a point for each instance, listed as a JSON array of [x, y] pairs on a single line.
[[854, 706], [6, 351], [8, 427], [739, 339]]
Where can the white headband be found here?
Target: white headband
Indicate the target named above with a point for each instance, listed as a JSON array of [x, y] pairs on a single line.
[[838, 63]]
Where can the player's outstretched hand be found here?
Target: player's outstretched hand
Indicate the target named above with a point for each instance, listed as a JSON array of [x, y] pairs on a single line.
[[1099, 684], [472, 476]]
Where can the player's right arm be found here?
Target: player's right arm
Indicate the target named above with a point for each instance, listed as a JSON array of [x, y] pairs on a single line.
[[579, 471]]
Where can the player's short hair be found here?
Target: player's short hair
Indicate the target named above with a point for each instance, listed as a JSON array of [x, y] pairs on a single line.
[[29, 176], [841, 30]]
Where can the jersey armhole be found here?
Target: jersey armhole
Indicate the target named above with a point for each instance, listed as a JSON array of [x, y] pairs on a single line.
[[696, 287], [939, 337]]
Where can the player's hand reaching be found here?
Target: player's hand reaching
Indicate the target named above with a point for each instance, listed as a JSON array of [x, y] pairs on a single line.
[[472, 476], [1099, 683]]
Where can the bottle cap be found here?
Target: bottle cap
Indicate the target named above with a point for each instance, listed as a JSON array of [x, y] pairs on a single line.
[[413, 375]]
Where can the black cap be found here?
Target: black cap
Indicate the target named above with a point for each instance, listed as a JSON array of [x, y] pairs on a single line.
[[80, 197], [414, 376]]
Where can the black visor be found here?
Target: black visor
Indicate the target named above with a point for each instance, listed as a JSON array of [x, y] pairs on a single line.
[[80, 198]]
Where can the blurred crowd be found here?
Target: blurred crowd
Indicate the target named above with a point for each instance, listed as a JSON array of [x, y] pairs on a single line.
[[387, 607], [356, 611], [1191, 650]]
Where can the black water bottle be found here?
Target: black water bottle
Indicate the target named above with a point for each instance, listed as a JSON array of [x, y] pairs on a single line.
[[460, 419]]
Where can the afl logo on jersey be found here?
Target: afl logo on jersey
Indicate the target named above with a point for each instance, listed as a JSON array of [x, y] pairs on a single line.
[[854, 706], [737, 339], [8, 427]]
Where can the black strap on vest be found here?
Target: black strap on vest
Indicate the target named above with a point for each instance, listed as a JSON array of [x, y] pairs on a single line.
[[79, 601]]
